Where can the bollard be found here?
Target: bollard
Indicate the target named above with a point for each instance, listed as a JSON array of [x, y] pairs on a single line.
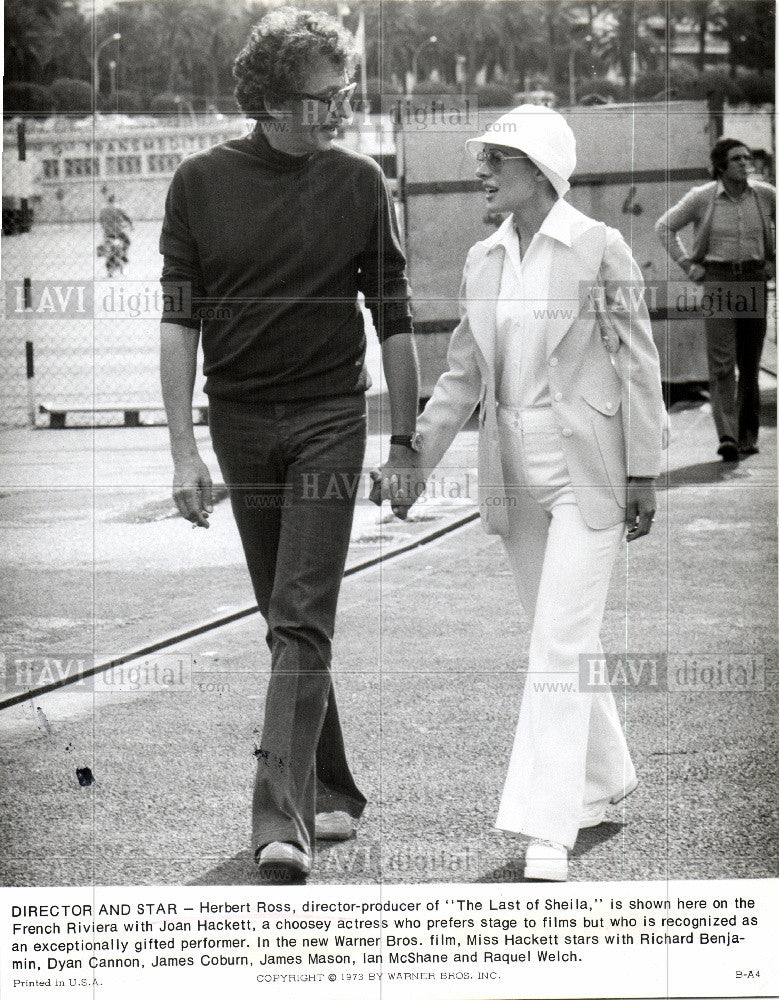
[[30, 359], [24, 205], [31, 411]]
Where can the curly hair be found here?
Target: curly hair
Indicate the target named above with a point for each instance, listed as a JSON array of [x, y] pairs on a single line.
[[275, 59], [719, 155]]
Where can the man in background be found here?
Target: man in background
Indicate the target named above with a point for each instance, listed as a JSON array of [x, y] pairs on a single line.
[[732, 254], [116, 240]]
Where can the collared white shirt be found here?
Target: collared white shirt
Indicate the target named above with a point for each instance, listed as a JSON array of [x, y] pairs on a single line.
[[521, 310]]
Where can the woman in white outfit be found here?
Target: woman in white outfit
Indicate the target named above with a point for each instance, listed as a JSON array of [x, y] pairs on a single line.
[[560, 357]]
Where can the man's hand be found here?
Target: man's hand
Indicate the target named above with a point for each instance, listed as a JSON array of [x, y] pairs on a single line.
[[192, 490], [399, 481], [641, 506], [695, 272]]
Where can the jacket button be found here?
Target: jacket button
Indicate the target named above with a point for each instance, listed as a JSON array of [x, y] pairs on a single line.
[[558, 396], [567, 432], [609, 405], [552, 362]]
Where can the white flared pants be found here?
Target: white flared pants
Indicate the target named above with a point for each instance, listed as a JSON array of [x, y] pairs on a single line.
[[569, 749]]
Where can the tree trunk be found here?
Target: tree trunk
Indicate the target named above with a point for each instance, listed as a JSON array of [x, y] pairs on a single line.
[[626, 65], [626, 34], [732, 62], [551, 18], [511, 65], [703, 23], [473, 62], [173, 64], [215, 63]]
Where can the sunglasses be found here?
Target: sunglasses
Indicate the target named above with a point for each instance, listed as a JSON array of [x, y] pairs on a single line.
[[495, 159], [333, 101]]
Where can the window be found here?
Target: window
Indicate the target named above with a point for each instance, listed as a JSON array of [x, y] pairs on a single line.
[[81, 166], [162, 163], [123, 164]]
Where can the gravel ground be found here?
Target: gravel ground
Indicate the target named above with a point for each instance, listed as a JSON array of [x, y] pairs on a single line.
[[429, 660]]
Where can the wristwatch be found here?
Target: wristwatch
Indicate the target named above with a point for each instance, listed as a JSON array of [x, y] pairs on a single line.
[[412, 441]]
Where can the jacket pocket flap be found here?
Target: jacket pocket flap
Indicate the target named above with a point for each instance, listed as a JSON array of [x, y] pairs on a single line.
[[605, 401]]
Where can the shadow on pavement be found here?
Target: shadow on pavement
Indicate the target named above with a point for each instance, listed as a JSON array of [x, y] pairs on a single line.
[[510, 872], [702, 473], [238, 870], [357, 867], [594, 836], [717, 471]]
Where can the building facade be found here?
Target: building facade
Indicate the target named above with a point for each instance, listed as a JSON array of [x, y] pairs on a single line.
[[74, 165]]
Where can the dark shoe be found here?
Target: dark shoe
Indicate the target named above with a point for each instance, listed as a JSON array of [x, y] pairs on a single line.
[[748, 449], [728, 449], [283, 864]]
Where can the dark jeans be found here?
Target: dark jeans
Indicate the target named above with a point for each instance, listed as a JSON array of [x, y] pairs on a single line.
[[293, 471], [735, 340]]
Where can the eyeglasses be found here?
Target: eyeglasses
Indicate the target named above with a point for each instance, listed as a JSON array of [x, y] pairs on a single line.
[[746, 157], [333, 101], [495, 159]]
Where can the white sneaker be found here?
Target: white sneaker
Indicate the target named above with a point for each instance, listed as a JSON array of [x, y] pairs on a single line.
[[625, 792], [546, 860], [337, 825], [593, 814], [282, 862]]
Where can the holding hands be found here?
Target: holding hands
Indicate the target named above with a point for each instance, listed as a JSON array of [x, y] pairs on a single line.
[[695, 272], [400, 479]]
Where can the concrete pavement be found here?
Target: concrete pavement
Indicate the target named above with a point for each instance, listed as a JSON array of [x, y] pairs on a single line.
[[429, 659]]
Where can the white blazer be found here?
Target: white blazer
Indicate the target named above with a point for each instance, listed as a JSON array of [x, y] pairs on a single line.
[[604, 372]]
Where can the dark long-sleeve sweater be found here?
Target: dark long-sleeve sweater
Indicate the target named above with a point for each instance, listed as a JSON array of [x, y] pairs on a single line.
[[275, 249]]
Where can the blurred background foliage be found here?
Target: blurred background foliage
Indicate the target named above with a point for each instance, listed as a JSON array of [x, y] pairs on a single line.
[[176, 55]]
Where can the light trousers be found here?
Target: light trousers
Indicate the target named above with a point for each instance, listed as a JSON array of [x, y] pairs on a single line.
[[569, 748]]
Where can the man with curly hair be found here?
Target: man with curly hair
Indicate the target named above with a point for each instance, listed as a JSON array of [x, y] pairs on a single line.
[[275, 234]]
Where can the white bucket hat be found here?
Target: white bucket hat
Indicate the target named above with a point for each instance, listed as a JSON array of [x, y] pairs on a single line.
[[539, 132]]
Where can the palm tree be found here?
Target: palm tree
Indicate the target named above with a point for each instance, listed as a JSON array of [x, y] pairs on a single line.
[[30, 37], [471, 28], [704, 14], [71, 55], [183, 32], [165, 46], [749, 29], [225, 34], [401, 27], [522, 34], [703, 25], [622, 36]]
